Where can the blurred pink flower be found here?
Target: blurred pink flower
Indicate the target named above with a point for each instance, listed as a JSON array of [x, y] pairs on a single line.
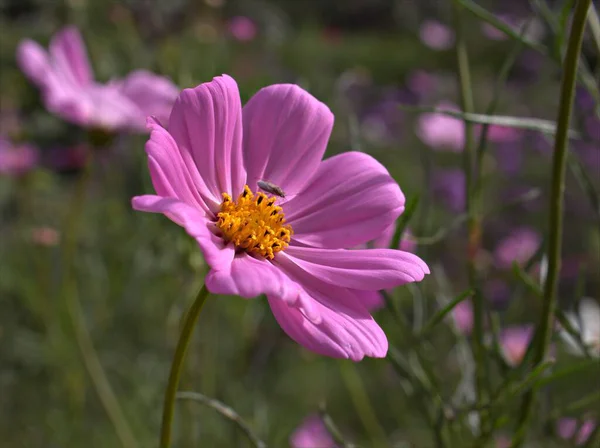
[[205, 171], [69, 90], [503, 134], [462, 317], [17, 159], [517, 247], [242, 28], [45, 236], [514, 342], [312, 433], [568, 428], [440, 131], [436, 35]]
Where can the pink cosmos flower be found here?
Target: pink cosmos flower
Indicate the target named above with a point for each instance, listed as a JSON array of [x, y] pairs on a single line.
[[312, 433], [436, 35], [242, 28], [440, 131], [17, 159], [568, 428], [514, 342], [65, 78], [206, 170], [518, 247]]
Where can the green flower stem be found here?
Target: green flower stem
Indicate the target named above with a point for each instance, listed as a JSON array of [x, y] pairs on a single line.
[[473, 220], [555, 218], [183, 343], [75, 312]]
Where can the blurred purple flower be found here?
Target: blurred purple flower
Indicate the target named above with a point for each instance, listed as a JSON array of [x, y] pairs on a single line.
[[69, 90], [513, 343], [242, 28], [421, 82], [568, 428], [312, 433], [436, 35], [449, 187], [509, 157], [17, 159], [440, 131], [518, 247]]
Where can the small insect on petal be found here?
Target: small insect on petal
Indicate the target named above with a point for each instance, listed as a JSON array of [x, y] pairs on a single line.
[[271, 188]]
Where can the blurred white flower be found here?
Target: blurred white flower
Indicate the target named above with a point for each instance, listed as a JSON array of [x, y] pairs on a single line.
[[587, 323]]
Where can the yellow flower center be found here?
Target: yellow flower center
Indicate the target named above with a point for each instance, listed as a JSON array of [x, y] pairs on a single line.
[[254, 223]]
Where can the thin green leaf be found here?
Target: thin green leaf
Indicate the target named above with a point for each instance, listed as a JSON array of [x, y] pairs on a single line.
[[507, 65], [594, 26], [533, 124], [490, 18], [409, 210], [527, 280], [333, 429], [226, 412], [585, 183], [568, 371], [439, 316], [531, 380]]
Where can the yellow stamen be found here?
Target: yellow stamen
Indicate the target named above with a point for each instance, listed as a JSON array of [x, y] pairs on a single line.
[[254, 223]]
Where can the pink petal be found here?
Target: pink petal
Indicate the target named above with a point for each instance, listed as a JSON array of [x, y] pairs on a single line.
[[171, 177], [249, 277], [312, 433], [33, 61], [350, 200], [328, 319], [286, 131], [206, 124], [368, 269], [152, 94], [338, 334], [70, 57], [217, 254]]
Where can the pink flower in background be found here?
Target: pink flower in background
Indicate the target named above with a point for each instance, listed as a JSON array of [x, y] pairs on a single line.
[[65, 78], [569, 428], [436, 35], [312, 433], [205, 170], [440, 131], [514, 342], [462, 317], [503, 134], [518, 247], [45, 236], [17, 159], [242, 28]]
